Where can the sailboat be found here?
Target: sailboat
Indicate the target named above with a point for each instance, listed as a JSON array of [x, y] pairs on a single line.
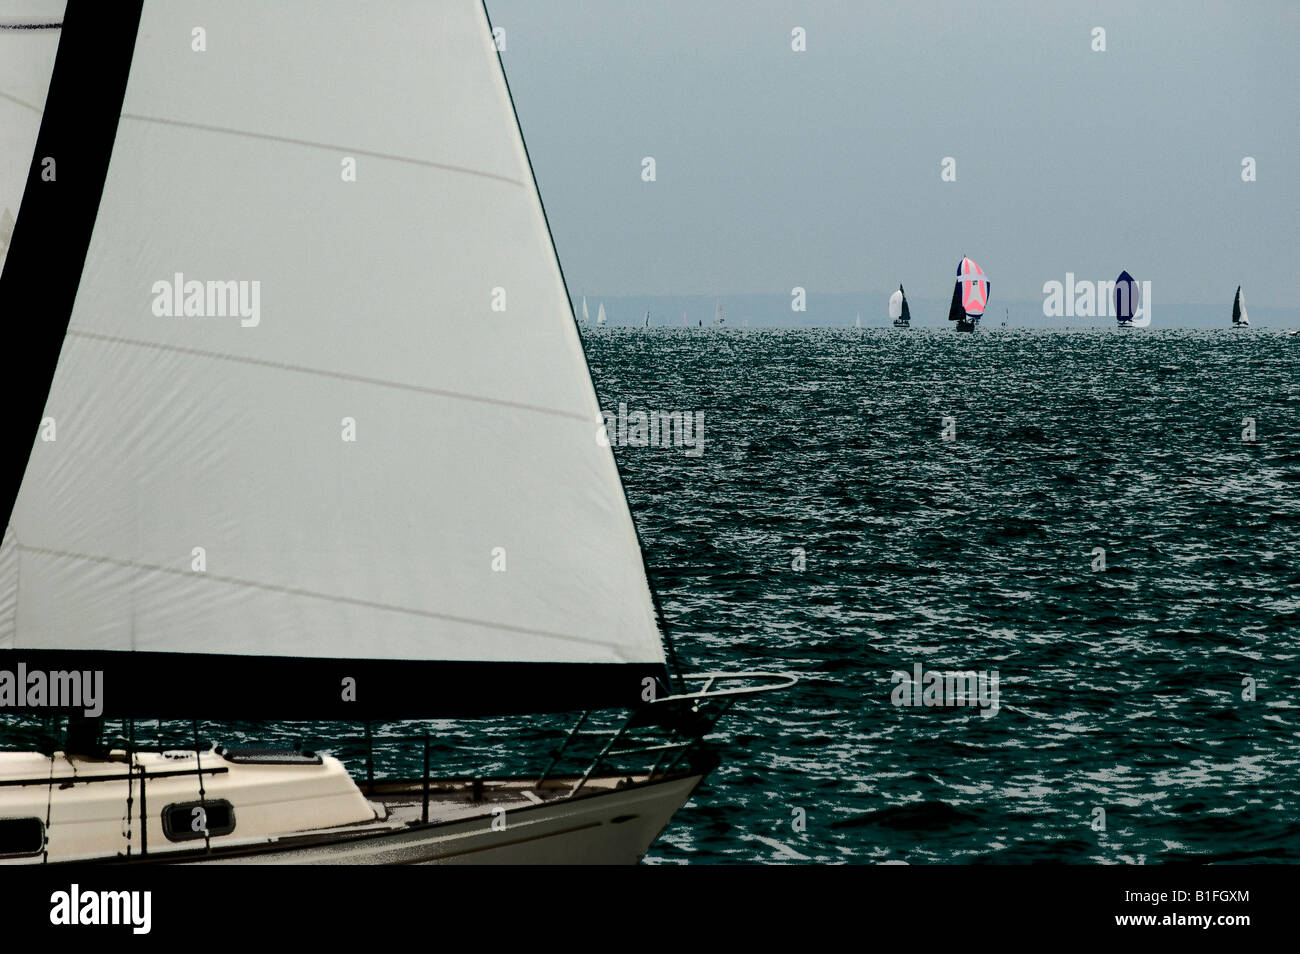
[[1239, 319], [266, 515], [970, 295], [647, 320], [898, 309], [857, 322], [719, 314], [586, 317], [600, 316], [1128, 296]]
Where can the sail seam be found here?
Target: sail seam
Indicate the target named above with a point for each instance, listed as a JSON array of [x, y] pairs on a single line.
[[349, 150], [295, 591], [20, 102], [340, 375]]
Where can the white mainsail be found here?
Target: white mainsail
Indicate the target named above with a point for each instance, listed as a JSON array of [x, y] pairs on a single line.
[[397, 456], [600, 314], [896, 304], [719, 315], [586, 317], [26, 64], [1239, 316]]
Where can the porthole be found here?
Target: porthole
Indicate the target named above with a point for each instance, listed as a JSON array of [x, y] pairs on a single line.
[[186, 821], [21, 836]]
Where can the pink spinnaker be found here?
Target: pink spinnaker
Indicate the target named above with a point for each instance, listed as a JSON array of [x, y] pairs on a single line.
[[974, 287]]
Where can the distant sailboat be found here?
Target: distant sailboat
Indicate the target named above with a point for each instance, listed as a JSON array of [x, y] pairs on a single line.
[[956, 312], [970, 295], [586, 317], [898, 309], [683, 319], [858, 322], [647, 320], [1006, 316], [600, 316], [1128, 296], [719, 314], [1239, 319]]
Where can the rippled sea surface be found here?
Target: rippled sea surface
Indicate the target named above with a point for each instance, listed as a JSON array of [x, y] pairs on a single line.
[[1120, 689], [1160, 690]]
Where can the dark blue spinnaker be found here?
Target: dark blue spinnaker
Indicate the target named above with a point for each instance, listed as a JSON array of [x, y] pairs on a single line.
[[1128, 296]]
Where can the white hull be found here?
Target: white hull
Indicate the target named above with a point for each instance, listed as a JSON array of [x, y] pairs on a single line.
[[269, 811], [607, 828]]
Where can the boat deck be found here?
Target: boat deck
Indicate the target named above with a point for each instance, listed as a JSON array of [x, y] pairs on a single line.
[[454, 800]]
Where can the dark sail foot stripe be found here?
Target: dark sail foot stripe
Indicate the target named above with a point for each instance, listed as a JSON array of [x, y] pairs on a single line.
[[209, 686], [50, 238]]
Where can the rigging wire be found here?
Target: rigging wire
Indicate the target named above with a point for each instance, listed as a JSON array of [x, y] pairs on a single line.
[[203, 803]]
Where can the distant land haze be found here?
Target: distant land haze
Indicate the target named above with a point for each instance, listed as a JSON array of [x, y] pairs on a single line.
[[840, 310]]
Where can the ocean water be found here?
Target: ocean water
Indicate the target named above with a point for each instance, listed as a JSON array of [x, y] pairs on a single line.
[[1120, 689], [1158, 694]]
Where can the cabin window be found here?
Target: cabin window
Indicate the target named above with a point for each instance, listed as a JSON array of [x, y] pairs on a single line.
[[21, 836], [186, 821]]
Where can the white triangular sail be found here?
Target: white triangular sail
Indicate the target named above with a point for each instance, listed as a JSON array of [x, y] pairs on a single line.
[[600, 314], [896, 304], [858, 322], [28, 43], [394, 454], [719, 314], [586, 317]]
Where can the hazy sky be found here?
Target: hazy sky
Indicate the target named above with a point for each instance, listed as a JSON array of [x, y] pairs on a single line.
[[822, 168]]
